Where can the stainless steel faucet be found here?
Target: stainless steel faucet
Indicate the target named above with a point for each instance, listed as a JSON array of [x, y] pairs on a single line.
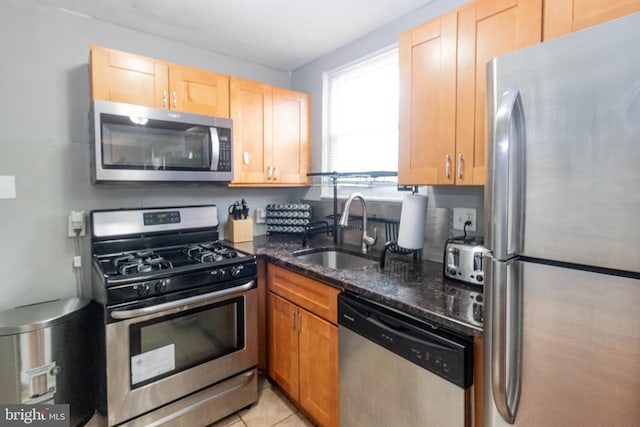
[[344, 221]]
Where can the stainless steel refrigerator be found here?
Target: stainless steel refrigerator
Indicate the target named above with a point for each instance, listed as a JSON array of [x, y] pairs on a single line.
[[562, 227]]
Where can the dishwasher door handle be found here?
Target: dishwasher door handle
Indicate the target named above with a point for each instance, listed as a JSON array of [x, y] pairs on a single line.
[[365, 313], [404, 332]]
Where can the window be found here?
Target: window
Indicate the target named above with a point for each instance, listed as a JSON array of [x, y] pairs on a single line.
[[361, 115]]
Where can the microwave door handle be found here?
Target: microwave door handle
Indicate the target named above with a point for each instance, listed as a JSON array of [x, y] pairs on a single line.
[[505, 189], [215, 148]]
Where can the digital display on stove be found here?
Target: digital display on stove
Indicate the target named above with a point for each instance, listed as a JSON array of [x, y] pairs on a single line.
[[160, 218]]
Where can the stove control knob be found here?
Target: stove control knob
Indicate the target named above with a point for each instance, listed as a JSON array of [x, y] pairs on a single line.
[[235, 271], [160, 286], [143, 289], [218, 274]]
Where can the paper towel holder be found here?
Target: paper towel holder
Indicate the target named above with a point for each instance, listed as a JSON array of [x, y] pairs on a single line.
[[392, 246]]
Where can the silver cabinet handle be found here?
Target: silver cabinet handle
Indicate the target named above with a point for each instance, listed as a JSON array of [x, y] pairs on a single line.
[[293, 320], [269, 172], [460, 158], [175, 101], [139, 312], [447, 167], [505, 332], [505, 192], [275, 173], [164, 98]]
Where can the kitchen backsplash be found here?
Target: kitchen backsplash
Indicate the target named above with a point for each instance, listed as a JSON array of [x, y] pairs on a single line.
[[439, 221]]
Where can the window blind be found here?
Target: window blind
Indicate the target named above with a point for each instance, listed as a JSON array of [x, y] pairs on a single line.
[[361, 116]]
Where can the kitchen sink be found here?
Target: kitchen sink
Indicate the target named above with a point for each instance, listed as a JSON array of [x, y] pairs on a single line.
[[335, 258]]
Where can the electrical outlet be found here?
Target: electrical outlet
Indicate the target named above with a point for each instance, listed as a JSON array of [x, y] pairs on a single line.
[[261, 216], [462, 215], [76, 219]]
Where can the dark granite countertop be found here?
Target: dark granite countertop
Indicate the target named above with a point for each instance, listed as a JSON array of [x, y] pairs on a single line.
[[418, 289]]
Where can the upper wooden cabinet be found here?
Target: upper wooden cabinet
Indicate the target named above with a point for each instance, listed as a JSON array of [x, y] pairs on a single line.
[[427, 56], [197, 91], [133, 79], [442, 87], [566, 16], [291, 148], [252, 114], [486, 29], [271, 134]]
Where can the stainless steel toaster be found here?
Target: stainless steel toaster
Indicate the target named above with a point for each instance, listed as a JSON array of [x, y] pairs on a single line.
[[464, 259]]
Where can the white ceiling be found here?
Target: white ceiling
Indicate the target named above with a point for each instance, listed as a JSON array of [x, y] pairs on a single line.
[[282, 34]]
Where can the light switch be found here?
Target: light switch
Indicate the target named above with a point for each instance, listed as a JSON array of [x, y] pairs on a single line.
[[7, 187]]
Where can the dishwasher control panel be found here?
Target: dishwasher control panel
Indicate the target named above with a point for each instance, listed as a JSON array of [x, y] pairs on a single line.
[[443, 353]]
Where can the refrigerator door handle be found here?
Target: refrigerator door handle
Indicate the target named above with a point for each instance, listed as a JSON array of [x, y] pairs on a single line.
[[505, 192], [506, 336]]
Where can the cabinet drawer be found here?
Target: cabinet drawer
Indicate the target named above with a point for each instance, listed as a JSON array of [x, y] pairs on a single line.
[[312, 295]]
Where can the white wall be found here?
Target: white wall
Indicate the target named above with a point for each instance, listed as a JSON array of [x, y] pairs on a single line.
[[44, 143]]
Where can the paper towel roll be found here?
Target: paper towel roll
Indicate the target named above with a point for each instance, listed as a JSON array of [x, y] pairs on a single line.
[[412, 219]]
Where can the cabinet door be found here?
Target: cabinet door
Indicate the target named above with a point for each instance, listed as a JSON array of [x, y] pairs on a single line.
[[566, 16], [132, 79], [290, 149], [251, 111], [427, 102], [314, 296], [283, 343], [198, 91], [486, 28], [318, 349]]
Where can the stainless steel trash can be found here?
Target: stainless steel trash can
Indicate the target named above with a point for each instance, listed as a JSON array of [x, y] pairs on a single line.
[[47, 355]]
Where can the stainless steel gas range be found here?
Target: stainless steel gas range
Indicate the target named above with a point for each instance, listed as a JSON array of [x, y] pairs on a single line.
[[179, 337]]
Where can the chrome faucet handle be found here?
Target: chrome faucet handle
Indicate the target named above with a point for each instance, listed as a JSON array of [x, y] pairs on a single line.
[[369, 240]]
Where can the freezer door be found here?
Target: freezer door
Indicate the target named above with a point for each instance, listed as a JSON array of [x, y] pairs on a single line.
[[579, 355], [577, 142]]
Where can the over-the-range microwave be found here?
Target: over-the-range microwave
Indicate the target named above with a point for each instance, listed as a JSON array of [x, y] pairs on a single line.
[[133, 143]]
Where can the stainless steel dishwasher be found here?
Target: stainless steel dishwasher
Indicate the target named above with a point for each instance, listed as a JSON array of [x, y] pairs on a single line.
[[397, 371]]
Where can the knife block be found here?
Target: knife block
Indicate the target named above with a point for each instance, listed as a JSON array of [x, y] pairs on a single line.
[[239, 230]]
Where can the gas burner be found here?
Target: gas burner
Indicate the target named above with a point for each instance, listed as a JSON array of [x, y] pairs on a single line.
[[226, 252], [220, 249], [201, 254], [212, 245], [140, 262]]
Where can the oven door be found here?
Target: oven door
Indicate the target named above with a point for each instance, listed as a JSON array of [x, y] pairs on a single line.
[[153, 359]]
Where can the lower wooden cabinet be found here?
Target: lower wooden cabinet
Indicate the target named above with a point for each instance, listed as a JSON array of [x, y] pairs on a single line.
[[303, 345]]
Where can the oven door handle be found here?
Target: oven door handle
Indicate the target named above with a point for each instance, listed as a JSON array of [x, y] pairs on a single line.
[[139, 312]]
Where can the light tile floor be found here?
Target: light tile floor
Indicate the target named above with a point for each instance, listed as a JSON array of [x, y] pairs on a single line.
[[273, 409]]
